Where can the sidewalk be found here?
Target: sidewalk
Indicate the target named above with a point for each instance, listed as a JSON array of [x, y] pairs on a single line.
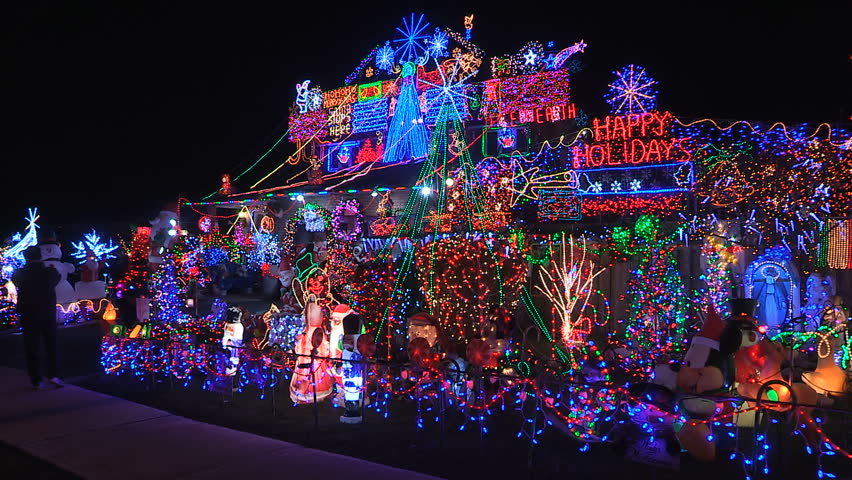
[[96, 436]]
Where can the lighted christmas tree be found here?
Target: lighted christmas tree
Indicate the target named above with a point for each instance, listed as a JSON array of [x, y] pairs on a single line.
[[136, 276], [167, 293], [659, 305]]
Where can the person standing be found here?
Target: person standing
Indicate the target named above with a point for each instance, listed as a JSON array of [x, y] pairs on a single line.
[[36, 284]]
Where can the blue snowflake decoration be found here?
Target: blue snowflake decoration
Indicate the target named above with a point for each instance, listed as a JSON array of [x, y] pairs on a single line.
[[437, 45], [632, 92], [384, 57], [412, 44]]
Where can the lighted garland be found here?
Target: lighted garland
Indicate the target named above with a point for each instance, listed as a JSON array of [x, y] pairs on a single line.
[[289, 234], [350, 208]]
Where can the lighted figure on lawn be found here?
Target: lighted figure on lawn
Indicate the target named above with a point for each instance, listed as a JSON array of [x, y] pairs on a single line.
[[12, 257], [232, 338], [356, 348], [708, 370], [66, 297], [829, 379], [312, 380], [773, 282]]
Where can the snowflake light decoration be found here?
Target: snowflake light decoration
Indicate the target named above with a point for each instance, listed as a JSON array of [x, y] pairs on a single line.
[[635, 184], [411, 45], [632, 91], [92, 243], [437, 45], [384, 57], [453, 90]]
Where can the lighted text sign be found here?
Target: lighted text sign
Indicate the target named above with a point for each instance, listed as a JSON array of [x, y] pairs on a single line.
[[635, 139], [546, 114]]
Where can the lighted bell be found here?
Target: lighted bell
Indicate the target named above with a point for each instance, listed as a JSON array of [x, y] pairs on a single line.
[[828, 378]]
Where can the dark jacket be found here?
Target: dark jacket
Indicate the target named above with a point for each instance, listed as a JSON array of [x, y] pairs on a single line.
[[36, 285]]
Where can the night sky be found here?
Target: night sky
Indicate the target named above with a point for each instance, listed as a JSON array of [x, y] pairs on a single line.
[[114, 110]]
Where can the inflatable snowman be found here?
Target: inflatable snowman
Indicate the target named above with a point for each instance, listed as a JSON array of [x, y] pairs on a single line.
[[66, 297]]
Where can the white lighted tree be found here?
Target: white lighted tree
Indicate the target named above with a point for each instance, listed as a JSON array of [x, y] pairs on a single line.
[[568, 283]]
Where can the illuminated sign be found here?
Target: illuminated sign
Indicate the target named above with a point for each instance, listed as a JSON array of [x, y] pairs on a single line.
[[559, 205], [340, 96], [634, 139], [369, 91], [546, 114], [370, 116], [341, 155], [526, 92], [340, 121]]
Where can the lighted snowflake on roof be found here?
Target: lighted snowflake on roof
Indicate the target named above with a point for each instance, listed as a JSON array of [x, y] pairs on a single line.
[[411, 45], [437, 45], [632, 91], [453, 91], [384, 57]]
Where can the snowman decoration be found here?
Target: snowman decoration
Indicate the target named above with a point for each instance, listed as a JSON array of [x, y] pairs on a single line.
[[232, 338], [66, 296]]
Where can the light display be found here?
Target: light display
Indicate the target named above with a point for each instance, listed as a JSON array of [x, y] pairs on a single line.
[[412, 43], [528, 98], [135, 278], [568, 283], [168, 293], [407, 136], [91, 244], [475, 237], [632, 92], [659, 307], [773, 282], [13, 256]]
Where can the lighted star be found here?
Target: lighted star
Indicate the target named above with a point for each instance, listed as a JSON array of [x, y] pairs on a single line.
[[635, 184], [530, 58], [550, 62], [615, 186]]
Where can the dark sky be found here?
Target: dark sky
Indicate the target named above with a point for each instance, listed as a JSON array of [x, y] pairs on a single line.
[[115, 109]]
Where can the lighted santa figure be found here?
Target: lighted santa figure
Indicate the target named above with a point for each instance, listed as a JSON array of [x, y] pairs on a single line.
[[312, 379], [232, 338]]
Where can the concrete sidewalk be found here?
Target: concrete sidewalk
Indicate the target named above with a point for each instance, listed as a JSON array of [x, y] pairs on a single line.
[[97, 436]]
